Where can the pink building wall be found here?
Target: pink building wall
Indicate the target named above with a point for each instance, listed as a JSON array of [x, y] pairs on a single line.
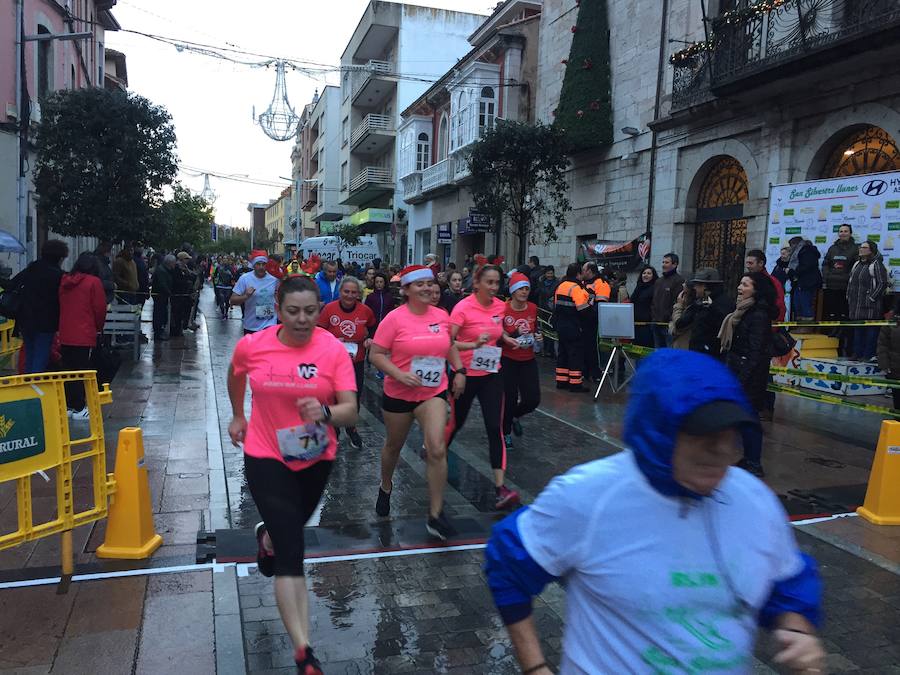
[[64, 52]]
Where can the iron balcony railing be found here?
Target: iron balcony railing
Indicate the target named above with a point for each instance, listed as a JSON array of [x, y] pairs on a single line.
[[412, 185], [370, 123], [769, 39], [438, 175], [371, 174], [364, 72]]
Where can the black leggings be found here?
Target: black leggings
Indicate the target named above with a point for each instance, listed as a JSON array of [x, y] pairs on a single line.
[[489, 390], [359, 372], [75, 358], [286, 499], [521, 389]]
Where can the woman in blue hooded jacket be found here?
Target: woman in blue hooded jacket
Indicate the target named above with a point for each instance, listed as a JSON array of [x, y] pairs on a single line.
[[669, 556]]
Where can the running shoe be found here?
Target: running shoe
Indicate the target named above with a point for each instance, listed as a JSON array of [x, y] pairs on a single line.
[[506, 498], [508, 440], [265, 561], [753, 467], [440, 527], [307, 663], [517, 426], [355, 440], [83, 414], [383, 505]]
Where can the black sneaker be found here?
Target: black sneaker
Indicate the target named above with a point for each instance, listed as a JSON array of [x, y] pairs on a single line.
[[265, 561], [310, 665], [383, 505], [440, 527], [517, 426], [355, 440]]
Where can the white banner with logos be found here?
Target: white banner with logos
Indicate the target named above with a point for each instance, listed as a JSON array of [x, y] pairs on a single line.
[[815, 210]]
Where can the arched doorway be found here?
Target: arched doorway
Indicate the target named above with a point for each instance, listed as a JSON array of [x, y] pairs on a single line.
[[720, 236], [867, 150]]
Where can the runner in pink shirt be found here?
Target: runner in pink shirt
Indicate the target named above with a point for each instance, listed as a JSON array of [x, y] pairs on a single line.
[[303, 386], [476, 326], [411, 347]]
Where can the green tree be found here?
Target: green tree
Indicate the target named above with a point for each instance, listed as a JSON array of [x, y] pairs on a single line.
[[585, 108], [519, 173], [346, 235], [239, 243], [103, 159], [186, 218]]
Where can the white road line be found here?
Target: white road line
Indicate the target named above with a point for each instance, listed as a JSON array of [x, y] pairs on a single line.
[[835, 516], [241, 568]]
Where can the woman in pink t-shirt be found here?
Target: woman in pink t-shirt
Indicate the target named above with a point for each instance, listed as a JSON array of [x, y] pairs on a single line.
[[303, 387], [411, 347], [476, 325]]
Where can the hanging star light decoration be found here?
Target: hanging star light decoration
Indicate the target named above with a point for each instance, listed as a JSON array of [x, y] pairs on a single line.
[[279, 121]]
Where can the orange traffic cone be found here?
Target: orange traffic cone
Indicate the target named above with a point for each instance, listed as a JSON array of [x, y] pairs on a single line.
[[130, 532], [882, 505]]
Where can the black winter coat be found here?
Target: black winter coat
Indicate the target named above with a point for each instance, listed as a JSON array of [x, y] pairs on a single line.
[[807, 276], [751, 352], [40, 293], [705, 320], [642, 299]]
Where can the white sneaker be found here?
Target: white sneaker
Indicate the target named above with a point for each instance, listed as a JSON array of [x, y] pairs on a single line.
[[83, 414], [69, 412]]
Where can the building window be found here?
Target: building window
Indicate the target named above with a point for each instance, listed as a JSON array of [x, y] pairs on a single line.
[[423, 152], [344, 176], [460, 126], [44, 65], [345, 131], [443, 138], [101, 63], [867, 150], [345, 84], [486, 110]]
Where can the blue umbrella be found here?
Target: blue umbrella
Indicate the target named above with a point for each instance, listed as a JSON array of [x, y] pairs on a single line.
[[9, 244]]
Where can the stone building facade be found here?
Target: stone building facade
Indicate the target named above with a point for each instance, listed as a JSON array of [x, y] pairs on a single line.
[[784, 95]]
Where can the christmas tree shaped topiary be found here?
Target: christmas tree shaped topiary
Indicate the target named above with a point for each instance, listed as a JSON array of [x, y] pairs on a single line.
[[585, 110]]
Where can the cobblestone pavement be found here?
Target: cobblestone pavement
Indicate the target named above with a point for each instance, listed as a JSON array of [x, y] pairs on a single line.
[[429, 613]]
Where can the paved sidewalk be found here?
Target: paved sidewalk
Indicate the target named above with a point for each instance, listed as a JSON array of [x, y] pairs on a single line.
[[415, 611], [146, 623]]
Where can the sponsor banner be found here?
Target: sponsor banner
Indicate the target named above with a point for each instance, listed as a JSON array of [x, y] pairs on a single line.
[[445, 233], [21, 430], [815, 210], [618, 255]]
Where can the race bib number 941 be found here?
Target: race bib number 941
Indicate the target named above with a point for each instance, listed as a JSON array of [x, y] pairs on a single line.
[[487, 359]]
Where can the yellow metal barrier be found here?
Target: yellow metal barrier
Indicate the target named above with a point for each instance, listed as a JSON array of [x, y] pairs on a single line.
[[9, 345], [34, 438]]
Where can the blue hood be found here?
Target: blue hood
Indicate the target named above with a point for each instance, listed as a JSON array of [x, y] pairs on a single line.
[[668, 386]]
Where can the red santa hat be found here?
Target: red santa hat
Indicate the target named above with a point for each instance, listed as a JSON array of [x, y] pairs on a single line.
[[518, 280], [415, 273], [258, 256]]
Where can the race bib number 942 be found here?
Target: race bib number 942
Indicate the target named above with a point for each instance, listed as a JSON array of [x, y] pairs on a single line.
[[430, 370], [487, 359]]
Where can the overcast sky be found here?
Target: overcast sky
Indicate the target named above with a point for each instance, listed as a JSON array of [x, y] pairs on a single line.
[[211, 101]]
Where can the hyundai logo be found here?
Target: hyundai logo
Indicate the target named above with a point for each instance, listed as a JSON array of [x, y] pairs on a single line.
[[874, 188]]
